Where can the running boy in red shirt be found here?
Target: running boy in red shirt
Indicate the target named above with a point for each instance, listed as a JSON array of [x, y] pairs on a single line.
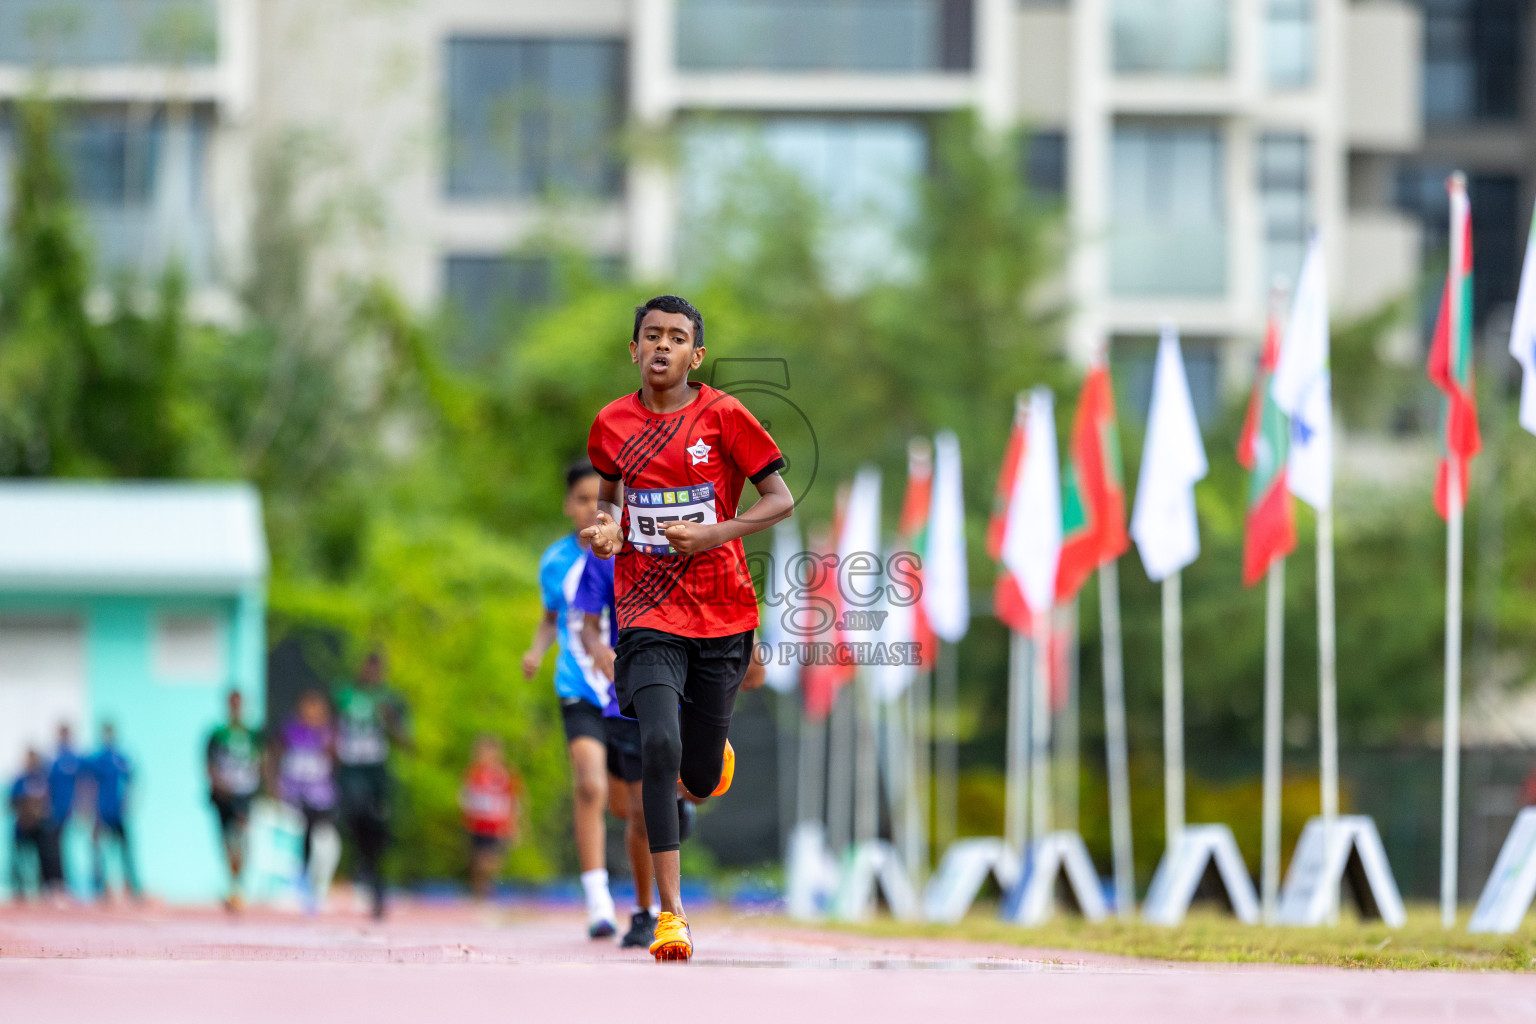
[[685, 602], [490, 800]]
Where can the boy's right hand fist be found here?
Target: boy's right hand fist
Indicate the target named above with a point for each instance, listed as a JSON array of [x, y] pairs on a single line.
[[604, 537]]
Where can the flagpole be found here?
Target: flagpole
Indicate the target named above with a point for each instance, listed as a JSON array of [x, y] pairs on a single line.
[[784, 719], [840, 781], [922, 736], [811, 799], [1068, 779], [866, 791], [1040, 727], [946, 746], [1327, 682], [1173, 708], [1116, 757], [1451, 783], [915, 818], [1016, 781], [1274, 701]]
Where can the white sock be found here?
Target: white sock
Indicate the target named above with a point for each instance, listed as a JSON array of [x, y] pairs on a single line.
[[599, 900], [655, 909]]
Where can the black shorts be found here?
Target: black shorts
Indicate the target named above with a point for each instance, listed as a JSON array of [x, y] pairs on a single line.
[[480, 843], [234, 811], [623, 748], [705, 671], [582, 718]]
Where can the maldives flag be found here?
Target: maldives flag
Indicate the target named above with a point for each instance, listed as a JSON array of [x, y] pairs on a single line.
[[1271, 527], [1450, 355], [821, 682], [912, 535], [1093, 496], [1007, 599]]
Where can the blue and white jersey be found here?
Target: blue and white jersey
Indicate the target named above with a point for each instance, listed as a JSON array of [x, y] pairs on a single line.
[[559, 575]]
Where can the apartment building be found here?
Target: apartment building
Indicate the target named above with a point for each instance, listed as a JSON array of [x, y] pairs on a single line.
[[1195, 143]]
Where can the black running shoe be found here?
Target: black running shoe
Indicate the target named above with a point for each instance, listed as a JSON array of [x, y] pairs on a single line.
[[686, 814], [642, 929], [601, 930]]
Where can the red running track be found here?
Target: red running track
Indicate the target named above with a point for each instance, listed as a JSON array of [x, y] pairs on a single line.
[[433, 965]]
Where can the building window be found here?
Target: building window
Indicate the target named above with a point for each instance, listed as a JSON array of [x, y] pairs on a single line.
[[1171, 37], [1045, 164], [1283, 165], [1132, 358], [51, 33], [825, 35], [137, 175], [862, 172], [489, 297], [534, 117], [1168, 226], [1289, 41], [188, 649], [1473, 59]]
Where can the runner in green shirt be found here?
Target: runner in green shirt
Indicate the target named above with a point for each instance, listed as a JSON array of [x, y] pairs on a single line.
[[370, 720], [234, 755]]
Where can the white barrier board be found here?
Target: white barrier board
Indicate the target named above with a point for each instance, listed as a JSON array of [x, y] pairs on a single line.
[[1508, 893], [874, 866], [1184, 865], [1058, 854], [963, 872], [811, 874], [1322, 861]]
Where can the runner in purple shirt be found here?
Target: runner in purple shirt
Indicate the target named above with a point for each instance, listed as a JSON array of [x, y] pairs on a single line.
[[306, 777]]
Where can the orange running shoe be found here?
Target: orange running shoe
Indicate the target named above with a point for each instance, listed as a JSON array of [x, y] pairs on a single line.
[[673, 939], [727, 773], [727, 770]]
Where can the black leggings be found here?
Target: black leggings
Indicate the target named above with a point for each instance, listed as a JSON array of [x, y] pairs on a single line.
[[673, 745]]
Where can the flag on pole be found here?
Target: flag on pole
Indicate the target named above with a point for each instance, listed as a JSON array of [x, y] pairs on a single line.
[[1032, 537], [1450, 354], [1270, 531], [906, 622], [1093, 494], [1007, 599], [1302, 386], [781, 673], [946, 595], [1163, 522], [821, 680], [1522, 334]]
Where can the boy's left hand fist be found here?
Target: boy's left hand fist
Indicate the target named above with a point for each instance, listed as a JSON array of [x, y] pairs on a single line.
[[689, 538]]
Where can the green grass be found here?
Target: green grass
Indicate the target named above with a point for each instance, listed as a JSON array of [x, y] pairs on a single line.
[[1211, 937]]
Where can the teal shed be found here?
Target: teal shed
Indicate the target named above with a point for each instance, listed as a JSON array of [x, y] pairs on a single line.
[[139, 604]]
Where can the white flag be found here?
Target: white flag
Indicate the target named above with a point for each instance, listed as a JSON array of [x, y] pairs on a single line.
[[782, 674], [1302, 386], [1163, 523], [1032, 537], [946, 589], [1522, 335]]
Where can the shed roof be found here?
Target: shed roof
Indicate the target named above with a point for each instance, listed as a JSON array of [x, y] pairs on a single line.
[[130, 537]]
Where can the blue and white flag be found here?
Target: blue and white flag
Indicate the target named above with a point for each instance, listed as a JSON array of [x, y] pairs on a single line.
[[1522, 334], [1303, 387]]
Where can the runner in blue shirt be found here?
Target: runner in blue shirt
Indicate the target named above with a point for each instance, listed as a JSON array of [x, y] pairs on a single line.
[[111, 771], [599, 633], [582, 690], [29, 812]]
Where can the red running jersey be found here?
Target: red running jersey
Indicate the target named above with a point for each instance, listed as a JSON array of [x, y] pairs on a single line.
[[685, 465], [489, 800]]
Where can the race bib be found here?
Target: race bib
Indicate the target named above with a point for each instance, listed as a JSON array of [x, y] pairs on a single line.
[[650, 511]]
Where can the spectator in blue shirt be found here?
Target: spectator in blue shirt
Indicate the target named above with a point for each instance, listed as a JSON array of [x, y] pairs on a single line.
[[111, 771], [63, 775], [29, 809]]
